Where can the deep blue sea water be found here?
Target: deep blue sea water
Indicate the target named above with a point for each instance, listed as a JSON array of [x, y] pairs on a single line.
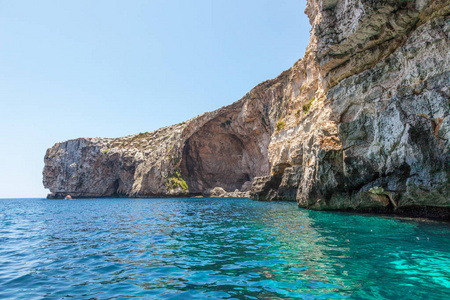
[[214, 249]]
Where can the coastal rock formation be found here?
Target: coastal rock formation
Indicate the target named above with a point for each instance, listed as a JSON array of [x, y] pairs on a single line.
[[226, 148], [362, 121], [380, 116]]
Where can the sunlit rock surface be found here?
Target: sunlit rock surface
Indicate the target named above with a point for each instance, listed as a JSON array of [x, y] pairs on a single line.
[[366, 108]]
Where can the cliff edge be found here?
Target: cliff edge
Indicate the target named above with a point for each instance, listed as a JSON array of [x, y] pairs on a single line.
[[362, 121]]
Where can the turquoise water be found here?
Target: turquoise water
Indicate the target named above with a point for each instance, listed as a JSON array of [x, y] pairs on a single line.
[[216, 249]]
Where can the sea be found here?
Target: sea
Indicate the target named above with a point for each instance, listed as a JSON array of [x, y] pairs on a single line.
[[215, 249]]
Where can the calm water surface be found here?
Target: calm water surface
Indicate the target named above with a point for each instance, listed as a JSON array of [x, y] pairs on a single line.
[[216, 249]]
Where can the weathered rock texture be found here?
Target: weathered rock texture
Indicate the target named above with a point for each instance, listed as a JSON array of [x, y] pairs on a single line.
[[362, 121], [226, 148]]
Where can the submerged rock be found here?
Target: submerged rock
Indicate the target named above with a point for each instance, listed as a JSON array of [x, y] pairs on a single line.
[[362, 121]]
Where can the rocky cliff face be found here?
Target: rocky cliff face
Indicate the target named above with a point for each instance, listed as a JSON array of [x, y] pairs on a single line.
[[376, 133], [361, 121], [226, 148]]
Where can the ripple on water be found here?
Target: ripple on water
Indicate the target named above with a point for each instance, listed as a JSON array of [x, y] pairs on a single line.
[[214, 248]]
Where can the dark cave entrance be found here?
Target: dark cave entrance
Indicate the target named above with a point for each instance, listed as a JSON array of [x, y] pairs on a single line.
[[217, 157]]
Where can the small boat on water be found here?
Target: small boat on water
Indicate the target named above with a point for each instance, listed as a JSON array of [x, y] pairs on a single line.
[[68, 197]]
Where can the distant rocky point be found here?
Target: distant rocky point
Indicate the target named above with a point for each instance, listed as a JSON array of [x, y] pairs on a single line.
[[361, 122]]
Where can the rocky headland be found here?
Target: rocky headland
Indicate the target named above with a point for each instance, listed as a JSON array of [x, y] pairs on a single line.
[[361, 122]]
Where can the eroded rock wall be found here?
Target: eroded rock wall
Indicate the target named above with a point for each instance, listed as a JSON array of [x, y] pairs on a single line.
[[225, 148], [376, 133], [361, 121]]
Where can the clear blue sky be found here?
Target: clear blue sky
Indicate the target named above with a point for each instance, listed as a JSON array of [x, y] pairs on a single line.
[[86, 68]]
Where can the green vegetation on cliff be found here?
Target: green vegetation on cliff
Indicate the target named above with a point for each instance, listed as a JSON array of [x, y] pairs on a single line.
[[175, 180], [306, 106], [280, 124]]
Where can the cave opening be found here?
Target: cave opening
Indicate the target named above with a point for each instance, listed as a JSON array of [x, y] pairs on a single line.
[[216, 156]]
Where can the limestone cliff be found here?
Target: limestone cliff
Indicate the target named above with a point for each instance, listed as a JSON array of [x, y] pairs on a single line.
[[379, 119], [226, 148], [361, 121]]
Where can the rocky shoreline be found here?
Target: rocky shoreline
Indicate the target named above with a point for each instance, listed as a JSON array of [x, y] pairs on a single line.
[[360, 123], [424, 212]]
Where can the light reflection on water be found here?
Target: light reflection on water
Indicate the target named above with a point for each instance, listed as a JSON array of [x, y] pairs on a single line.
[[216, 248]]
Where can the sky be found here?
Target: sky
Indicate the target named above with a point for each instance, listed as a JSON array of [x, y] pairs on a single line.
[[106, 68]]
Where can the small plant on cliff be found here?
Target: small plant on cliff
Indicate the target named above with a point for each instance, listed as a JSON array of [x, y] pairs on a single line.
[[105, 152], [140, 135], [264, 121], [175, 180], [307, 106], [226, 124], [280, 124]]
